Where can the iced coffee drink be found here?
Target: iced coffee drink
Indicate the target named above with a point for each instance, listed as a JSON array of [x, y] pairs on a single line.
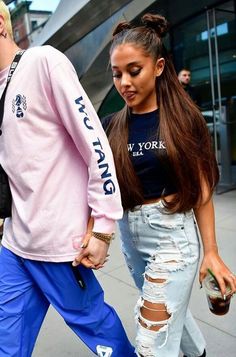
[[218, 304]]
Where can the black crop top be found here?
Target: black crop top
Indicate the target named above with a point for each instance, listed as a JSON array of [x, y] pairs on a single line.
[[144, 146]]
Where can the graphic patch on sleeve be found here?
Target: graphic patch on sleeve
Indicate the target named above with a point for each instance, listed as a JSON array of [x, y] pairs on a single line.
[[104, 351]]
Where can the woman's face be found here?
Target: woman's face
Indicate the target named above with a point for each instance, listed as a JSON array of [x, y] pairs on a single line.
[[134, 76]]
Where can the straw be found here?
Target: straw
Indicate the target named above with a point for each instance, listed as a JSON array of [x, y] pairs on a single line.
[[213, 276], [217, 284]]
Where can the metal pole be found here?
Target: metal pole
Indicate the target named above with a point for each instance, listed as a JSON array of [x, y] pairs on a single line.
[[217, 65], [212, 83]]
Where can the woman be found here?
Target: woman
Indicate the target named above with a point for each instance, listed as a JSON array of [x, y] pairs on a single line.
[[167, 173]]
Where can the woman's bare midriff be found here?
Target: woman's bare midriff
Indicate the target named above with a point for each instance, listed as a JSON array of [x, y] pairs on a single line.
[[154, 200]]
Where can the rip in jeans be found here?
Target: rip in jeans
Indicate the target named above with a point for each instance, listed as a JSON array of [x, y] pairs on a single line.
[[152, 313]]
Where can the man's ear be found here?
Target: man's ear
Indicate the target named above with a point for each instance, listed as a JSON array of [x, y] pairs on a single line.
[[2, 23], [160, 65], [3, 31]]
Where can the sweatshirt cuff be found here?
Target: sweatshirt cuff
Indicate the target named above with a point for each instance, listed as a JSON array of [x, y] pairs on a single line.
[[104, 225]]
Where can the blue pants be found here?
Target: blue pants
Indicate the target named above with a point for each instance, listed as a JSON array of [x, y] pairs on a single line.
[[28, 287]]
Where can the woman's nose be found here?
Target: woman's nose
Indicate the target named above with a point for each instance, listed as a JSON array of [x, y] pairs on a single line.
[[125, 80]]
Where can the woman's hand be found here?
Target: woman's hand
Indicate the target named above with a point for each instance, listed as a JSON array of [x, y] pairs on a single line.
[[206, 223], [93, 255], [222, 273]]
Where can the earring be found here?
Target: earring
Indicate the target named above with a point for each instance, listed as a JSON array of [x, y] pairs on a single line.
[[4, 34]]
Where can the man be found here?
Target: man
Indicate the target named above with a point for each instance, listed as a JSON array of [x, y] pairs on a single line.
[[184, 77], [61, 171]]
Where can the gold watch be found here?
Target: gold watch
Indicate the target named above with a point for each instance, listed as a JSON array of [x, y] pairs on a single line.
[[105, 237]]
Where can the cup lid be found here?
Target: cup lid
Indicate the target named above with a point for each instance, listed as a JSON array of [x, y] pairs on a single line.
[[212, 288]]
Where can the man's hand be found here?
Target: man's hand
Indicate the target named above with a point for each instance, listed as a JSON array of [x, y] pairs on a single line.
[[93, 254]]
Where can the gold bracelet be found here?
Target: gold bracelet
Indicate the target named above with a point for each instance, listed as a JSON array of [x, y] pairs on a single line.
[[105, 237]]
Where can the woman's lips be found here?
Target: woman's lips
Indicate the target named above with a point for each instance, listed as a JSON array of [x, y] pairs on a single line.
[[128, 95]]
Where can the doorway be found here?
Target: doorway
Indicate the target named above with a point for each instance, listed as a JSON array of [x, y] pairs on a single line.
[[206, 46]]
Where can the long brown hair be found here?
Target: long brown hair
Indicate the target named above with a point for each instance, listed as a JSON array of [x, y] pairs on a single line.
[[182, 126]]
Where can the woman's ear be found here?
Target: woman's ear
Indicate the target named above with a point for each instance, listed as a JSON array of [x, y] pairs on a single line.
[[160, 64]]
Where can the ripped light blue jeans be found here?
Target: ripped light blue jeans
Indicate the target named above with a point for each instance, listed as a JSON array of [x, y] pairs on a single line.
[[162, 254]]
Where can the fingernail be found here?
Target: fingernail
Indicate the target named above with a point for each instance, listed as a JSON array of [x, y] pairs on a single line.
[[84, 245], [224, 297]]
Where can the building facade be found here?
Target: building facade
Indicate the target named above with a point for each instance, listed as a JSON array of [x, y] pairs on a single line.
[[201, 38], [27, 24]]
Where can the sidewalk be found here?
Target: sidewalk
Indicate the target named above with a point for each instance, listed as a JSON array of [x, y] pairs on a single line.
[[56, 339]]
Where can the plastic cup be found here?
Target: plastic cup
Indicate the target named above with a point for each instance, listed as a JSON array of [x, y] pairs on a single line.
[[217, 304]]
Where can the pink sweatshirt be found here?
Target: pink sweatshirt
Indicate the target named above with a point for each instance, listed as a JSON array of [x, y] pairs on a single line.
[[57, 157]]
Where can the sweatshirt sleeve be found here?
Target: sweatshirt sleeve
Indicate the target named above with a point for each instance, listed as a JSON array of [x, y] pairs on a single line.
[[80, 119]]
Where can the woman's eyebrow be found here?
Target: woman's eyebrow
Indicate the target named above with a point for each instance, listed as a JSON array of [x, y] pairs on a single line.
[[128, 65]]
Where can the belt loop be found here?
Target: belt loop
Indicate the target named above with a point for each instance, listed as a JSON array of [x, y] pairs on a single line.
[[143, 213]]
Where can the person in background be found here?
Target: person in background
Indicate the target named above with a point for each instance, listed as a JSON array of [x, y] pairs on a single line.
[[184, 77], [61, 171], [167, 172]]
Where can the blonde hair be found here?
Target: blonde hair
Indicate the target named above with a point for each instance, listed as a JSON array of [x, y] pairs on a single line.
[[4, 11]]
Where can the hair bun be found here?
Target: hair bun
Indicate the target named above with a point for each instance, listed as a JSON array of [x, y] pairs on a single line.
[[122, 26], [157, 23]]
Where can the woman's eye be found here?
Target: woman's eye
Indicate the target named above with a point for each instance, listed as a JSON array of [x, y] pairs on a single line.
[[116, 75], [135, 72]]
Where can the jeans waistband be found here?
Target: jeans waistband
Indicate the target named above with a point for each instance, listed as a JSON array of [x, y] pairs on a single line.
[[160, 206]]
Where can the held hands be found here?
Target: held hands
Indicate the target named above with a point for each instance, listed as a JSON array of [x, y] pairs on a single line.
[[222, 273], [93, 253]]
